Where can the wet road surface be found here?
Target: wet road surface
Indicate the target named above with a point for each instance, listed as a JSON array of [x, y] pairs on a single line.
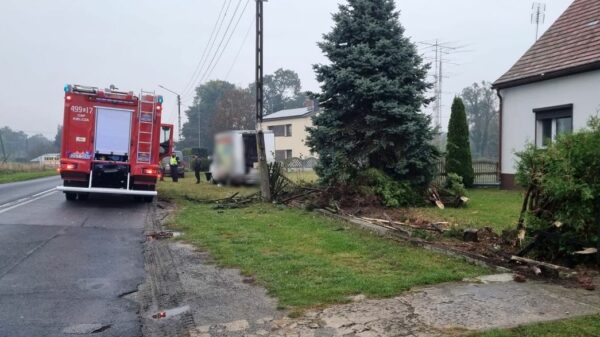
[[64, 266]]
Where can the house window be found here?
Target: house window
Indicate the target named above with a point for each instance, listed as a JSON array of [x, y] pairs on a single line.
[[551, 122], [281, 155], [281, 130]]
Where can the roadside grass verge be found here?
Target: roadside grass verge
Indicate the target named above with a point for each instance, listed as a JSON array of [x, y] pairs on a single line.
[[10, 176], [187, 188], [307, 260], [576, 327], [498, 209]]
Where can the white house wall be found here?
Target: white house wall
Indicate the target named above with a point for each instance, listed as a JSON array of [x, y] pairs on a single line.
[[297, 142], [518, 119]]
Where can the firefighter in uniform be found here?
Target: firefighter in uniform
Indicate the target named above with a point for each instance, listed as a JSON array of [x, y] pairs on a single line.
[[173, 164], [197, 166]]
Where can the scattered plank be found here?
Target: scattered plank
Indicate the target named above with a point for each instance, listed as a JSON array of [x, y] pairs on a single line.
[[545, 265]]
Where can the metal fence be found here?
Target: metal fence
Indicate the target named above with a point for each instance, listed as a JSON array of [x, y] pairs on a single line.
[[487, 173], [300, 164]]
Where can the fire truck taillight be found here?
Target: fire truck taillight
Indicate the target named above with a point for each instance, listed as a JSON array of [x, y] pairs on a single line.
[[158, 107], [68, 98], [68, 166], [150, 171]]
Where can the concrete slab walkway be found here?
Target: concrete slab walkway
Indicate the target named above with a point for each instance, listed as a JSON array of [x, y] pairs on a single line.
[[448, 308]]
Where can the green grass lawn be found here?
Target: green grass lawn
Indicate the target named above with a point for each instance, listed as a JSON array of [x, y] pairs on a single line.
[[577, 327], [305, 259], [13, 176], [302, 176], [495, 208]]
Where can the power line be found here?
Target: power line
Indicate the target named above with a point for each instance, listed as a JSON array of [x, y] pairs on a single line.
[[440, 49], [204, 76], [229, 39], [237, 55], [207, 50]]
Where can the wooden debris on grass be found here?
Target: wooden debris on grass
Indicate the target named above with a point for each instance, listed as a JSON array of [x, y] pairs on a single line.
[[234, 201], [587, 251], [446, 198], [543, 265]]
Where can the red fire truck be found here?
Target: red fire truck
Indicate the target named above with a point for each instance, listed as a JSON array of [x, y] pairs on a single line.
[[112, 143]]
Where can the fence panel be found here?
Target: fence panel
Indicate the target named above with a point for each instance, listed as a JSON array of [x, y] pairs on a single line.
[[300, 164], [487, 173]]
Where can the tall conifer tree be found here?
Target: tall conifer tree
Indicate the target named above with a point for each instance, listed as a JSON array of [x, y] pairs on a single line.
[[373, 92], [458, 149]]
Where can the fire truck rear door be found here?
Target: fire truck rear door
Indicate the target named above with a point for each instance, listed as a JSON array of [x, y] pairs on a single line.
[[113, 131]]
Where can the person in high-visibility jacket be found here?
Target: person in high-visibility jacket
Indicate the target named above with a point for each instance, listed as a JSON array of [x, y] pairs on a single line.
[[173, 166]]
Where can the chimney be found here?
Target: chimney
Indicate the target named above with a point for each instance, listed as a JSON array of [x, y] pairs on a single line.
[[311, 105]]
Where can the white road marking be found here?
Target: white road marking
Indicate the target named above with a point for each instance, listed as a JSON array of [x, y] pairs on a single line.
[[24, 201]]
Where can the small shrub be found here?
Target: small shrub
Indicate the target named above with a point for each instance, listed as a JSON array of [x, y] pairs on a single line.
[[455, 186], [278, 182], [564, 185], [392, 193]]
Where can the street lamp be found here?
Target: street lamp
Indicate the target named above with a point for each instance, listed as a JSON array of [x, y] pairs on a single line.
[[178, 109]]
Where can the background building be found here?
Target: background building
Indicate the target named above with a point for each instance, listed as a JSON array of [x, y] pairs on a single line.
[[553, 88], [289, 127]]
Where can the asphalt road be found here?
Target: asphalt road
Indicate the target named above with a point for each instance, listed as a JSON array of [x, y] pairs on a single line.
[[64, 266]]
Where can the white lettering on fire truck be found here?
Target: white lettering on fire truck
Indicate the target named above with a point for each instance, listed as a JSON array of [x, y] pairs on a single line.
[[82, 109], [80, 139], [82, 113]]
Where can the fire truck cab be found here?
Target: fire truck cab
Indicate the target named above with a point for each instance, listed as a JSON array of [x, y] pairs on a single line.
[[112, 143]]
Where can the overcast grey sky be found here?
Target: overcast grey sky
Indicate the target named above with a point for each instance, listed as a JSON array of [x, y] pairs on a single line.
[[138, 44]]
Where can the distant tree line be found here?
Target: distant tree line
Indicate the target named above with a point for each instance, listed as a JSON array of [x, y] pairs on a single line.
[[20, 147], [481, 105], [220, 106]]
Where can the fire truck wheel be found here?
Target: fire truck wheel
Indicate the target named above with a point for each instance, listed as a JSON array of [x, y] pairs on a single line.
[[70, 196], [148, 199]]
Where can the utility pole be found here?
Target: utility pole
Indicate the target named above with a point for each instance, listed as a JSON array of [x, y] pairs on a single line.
[[265, 189], [4, 158], [538, 16], [178, 109], [199, 141]]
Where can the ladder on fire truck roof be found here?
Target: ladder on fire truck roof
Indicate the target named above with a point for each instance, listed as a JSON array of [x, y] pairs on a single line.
[[145, 157]]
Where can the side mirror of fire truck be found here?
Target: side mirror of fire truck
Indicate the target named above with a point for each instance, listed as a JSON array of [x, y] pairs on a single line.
[[166, 140]]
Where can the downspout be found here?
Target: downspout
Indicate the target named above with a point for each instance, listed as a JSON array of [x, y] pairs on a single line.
[[500, 133]]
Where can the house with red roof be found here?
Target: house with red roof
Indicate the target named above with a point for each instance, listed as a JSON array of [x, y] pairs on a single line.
[[554, 88]]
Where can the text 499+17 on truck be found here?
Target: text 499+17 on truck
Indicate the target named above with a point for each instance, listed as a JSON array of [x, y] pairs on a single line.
[[112, 143]]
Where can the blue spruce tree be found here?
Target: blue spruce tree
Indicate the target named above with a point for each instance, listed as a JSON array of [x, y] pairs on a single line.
[[372, 95]]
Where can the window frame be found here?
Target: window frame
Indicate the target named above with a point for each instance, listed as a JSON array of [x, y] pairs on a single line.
[[287, 154], [285, 128], [553, 113]]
